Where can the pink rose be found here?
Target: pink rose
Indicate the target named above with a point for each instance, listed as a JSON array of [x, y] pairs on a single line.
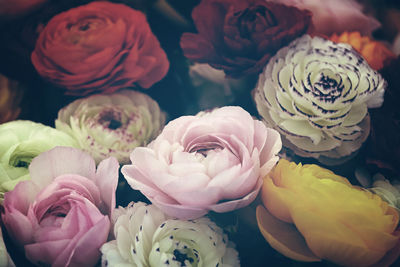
[[212, 161], [99, 47], [336, 16], [61, 216]]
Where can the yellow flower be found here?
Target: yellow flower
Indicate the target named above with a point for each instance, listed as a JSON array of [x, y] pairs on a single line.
[[313, 214], [374, 52]]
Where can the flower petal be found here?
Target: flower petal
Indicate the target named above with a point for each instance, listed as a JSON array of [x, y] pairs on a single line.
[[284, 237], [61, 160]]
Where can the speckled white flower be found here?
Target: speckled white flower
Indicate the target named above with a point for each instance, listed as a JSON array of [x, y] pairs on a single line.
[[317, 94], [147, 237], [112, 125]]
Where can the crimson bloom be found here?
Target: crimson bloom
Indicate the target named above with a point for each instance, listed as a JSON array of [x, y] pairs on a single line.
[[99, 47], [241, 36]]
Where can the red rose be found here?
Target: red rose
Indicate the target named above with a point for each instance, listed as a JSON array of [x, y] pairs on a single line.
[[102, 47], [240, 36]]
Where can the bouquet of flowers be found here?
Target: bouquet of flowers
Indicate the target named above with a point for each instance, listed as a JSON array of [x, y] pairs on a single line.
[[199, 133]]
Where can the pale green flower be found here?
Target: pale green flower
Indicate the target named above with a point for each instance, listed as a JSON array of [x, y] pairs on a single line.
[[112, 125], [145, 236], [20, 142]]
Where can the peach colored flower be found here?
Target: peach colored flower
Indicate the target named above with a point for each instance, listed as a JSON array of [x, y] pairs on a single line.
[[374, 52]]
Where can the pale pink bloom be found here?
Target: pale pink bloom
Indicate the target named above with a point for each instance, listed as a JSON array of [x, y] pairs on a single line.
[[336, 16], [212, 161], [61, 217]]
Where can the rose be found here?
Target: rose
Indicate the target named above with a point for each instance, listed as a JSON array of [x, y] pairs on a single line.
[[10, 98], [336, 16], [61, 216], [144, 236], [240, 37], [10, 9], [313, 214], [374, 52], [212, 161], [99, 47], [112, 125], [317, 94], [20, 142]]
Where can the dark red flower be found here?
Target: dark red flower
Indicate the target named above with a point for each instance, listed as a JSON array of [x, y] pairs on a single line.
[[384, 141], [240, 36], [99, 47]]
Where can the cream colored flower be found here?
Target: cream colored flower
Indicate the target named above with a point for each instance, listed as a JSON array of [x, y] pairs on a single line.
[[317, 94], [145, 236], [112, 125]]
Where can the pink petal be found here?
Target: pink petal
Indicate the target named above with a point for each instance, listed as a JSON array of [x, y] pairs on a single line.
[[18, 226], [107, 181], [87, 250], [58, 161], [45, 252], [179, 211], [21, 197], [238, 203]]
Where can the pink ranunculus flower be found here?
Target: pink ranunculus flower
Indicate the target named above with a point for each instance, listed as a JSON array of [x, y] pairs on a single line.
[[212, 161], [61, 217], [336, 16]]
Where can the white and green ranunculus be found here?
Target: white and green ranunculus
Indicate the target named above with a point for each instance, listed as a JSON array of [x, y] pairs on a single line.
[[112, 125], [316, 94], [20, 142], [145, 236]]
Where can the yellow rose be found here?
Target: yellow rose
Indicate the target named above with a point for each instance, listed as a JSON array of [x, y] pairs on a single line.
[[313, 214]]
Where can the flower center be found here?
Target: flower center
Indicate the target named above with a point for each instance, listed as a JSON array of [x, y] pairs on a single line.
[[205, 149], [110, 119], [254, 19], [326, 88], [181, 257]]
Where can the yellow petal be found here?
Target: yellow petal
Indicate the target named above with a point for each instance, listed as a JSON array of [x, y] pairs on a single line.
[[332, 240], [391, 256], [283, 237], [277, 200]]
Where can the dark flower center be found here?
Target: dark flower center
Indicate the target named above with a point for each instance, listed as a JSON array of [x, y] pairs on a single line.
[[254, 19], [203, 149], [327, 88], [181, 257], [110, 119]]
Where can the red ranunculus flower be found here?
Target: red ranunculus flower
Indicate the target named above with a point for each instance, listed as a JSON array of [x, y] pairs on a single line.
[[240, 36], [99, 47]]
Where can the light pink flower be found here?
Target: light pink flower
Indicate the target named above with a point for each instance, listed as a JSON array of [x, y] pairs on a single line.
[[61, 215], [211, 161], [336, 16]]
